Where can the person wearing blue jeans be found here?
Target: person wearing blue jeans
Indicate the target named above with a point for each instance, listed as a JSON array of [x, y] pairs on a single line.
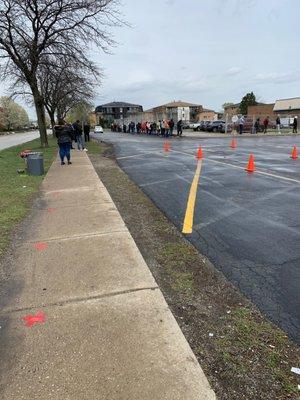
[[78, 134], [79, 142], [64, 134]]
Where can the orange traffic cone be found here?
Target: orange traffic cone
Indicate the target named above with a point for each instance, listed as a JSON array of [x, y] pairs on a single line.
[[200, 153], [294, 155], [251, 166], [233, 144], [166, 146]]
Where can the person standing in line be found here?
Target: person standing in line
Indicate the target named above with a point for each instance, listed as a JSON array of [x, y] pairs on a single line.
[[162, 129], [171, 126], [167, 128], [133, 127], [147, 127], [87, 130], [158, 128], [154, 128], [179, 128], [64, 135], [241, 122], [138, 128], [278, 124], [266, 124], [256, 126], [78, 135], [295, 125]]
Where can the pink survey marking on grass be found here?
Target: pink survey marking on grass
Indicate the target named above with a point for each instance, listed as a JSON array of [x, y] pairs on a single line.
[[41, 246], [31, 320], [51, 210]]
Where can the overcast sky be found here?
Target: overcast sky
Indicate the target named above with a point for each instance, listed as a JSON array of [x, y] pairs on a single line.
[[203, 51]]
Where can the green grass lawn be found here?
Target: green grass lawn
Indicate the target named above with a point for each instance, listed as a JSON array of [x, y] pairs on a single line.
[[17, 190]]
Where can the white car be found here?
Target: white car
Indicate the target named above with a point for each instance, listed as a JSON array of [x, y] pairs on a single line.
[[195, 126], [98, 129]]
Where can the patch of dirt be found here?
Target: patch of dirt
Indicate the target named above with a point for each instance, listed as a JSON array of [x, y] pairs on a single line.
[[243, 355]]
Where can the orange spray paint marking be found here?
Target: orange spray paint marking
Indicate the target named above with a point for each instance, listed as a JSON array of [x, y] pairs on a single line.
[[31, 320], [41, 246]]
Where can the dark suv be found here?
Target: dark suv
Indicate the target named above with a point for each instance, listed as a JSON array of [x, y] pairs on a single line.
[[214, 126], [204, 125]]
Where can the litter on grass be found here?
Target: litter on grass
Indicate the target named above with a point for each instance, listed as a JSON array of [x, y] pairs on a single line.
[[296, 370]]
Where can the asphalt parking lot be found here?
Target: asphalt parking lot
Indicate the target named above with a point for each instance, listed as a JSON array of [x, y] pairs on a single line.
[[246, 224]]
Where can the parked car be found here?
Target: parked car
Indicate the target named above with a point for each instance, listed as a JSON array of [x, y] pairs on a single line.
[[98, 129], [195, 126], [222, 127], [214, 126], [204, 125]]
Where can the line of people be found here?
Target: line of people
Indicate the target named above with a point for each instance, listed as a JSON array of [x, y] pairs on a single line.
[[66, 134], [164, 128]]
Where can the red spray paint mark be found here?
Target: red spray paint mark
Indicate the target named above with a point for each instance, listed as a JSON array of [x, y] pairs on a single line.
[[41, 246], [51, 210], [31, 320]]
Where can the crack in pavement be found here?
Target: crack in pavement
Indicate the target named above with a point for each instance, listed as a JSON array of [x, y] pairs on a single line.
[[76, 300]]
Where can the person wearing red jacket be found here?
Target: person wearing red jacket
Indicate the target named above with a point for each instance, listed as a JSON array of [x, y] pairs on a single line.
[[266, 124]]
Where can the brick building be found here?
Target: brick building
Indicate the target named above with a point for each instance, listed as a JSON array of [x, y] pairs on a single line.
[[262, 111]]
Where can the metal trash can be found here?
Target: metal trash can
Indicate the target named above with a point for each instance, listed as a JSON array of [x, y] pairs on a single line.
[[35, 164]]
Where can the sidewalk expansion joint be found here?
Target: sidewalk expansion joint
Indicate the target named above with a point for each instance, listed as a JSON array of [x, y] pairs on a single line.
[[77, 300], [74, 237], [85, 205]]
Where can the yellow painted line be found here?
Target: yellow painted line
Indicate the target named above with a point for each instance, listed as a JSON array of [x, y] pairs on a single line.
[[190, 209]]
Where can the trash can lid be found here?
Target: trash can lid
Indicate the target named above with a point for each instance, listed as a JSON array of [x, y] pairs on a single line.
[[34, 153]]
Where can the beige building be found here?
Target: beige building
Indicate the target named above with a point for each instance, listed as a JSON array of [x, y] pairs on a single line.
[[232, 110], [176, 110], [207, 115], [288, 108]]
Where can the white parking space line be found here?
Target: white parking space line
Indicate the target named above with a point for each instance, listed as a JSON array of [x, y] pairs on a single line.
[[175, 178], [138, 155], [243, 168]]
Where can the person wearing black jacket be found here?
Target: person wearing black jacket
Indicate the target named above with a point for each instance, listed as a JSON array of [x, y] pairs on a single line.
[[179, 128], [87, 130], [78, 134], [64, 134], [295, 125]]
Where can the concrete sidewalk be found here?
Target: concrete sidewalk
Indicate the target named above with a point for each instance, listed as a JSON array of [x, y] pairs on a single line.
[[108, 332]]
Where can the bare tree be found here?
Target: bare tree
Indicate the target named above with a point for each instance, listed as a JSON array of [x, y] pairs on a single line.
[[32, 30], [64, 83]]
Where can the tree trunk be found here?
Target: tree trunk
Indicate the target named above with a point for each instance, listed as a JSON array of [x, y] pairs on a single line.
[[52, 120], [41, 117]]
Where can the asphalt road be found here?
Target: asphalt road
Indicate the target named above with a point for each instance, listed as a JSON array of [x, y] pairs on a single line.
[[247, 225], [14, 139]]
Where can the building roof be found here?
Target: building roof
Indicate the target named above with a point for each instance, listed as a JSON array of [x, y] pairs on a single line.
[[287, 104], [119, 104], [179, 103], [207, 110], [232, 105]]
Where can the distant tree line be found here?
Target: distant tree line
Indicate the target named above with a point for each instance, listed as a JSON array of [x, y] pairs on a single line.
[[45, 47]]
